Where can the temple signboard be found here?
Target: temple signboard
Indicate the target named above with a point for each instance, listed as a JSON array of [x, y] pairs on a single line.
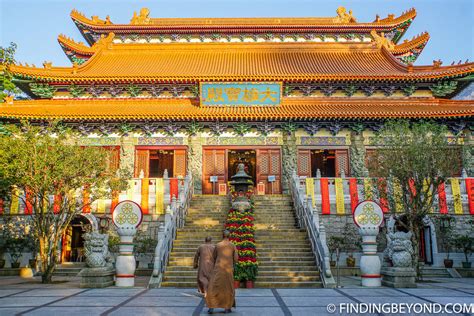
[[240, 93]]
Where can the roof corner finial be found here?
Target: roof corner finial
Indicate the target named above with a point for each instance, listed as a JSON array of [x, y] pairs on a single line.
[[8, 100]]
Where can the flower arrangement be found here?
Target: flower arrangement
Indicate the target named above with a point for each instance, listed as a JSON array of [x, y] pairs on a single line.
[[242, 229]]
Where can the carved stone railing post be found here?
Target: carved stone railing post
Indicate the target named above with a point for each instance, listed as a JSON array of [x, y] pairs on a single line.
[[166, 188]]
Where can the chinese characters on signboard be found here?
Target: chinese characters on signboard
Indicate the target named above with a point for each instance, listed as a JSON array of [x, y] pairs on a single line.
[[249, 93]]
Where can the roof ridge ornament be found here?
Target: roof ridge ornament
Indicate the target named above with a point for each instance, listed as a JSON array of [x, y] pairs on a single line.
[[343, 16], [8, 99], [381, 40], [105, 42], [143, 18], [47, 64]]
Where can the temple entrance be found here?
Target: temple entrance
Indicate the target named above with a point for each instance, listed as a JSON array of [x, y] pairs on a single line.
[[152, 161], [72, 245], [247, 157], [330, 162], [262, 164]]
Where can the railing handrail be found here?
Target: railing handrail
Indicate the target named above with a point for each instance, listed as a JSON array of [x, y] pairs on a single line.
[[308, 218], [175, 218]]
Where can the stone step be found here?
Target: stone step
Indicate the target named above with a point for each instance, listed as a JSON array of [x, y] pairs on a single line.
[[262, 268], [260, 250], [288, 284], [193, 273]]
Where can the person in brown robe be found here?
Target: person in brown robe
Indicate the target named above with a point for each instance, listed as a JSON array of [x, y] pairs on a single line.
[[204, 260], [221, 292]]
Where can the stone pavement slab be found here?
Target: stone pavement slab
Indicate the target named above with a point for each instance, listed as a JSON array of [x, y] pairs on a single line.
[[29, 297], [69, 311]]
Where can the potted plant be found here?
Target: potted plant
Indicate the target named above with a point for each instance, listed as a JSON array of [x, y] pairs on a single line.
[[334, 243], [144, 244], [466, 244], [445, 223], [351, 243], [15, 247]]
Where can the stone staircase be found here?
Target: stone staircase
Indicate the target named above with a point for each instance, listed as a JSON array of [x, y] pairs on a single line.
[[69, 269], [206, 217], [434, 272], [284, 251]]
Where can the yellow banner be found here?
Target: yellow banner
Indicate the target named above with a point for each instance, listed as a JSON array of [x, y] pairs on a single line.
[[310, 190], [100, 206], [159, 196], [145, 193], [15, 203], [429, 196], [367, 189], [456, 190], [397, 196], [339, 196]]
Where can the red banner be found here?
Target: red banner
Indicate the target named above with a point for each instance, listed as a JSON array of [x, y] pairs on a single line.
[[86, 201], [382, 186], [57, 203], [1, 206], [115, 200], [28, 206], [354, 193], [325, 206], [173, 188], [470, 194], [443, 206]]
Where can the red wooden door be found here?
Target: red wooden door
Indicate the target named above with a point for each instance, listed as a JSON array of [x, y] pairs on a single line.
[[179, 163], [269, 164], [142, 161], [304, 163], [342, 162], [214, 164]]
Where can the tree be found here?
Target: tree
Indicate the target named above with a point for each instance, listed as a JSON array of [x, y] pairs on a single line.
[[416, 157], [6, 59], [53, 170]]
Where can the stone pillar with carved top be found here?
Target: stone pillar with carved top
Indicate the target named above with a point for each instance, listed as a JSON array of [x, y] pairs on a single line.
[[127, 154], [289, 159], [357, 155], [195, 161]]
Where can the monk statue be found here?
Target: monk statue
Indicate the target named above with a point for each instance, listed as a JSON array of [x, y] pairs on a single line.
[[221, 292], [204, 262]]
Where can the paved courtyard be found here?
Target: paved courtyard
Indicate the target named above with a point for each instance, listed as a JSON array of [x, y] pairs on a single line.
[[29, 297]]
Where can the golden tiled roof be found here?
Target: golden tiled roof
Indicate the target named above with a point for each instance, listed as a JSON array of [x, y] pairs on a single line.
[[187, 109], [191, 62], [342, 21]]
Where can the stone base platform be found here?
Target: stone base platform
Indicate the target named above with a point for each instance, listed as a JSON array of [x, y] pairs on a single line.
[[97, 277], [398, 277]]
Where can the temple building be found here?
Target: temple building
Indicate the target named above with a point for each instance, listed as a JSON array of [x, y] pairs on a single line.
[[172, 96]]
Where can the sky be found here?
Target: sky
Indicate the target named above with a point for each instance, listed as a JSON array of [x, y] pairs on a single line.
[[35, 24]]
